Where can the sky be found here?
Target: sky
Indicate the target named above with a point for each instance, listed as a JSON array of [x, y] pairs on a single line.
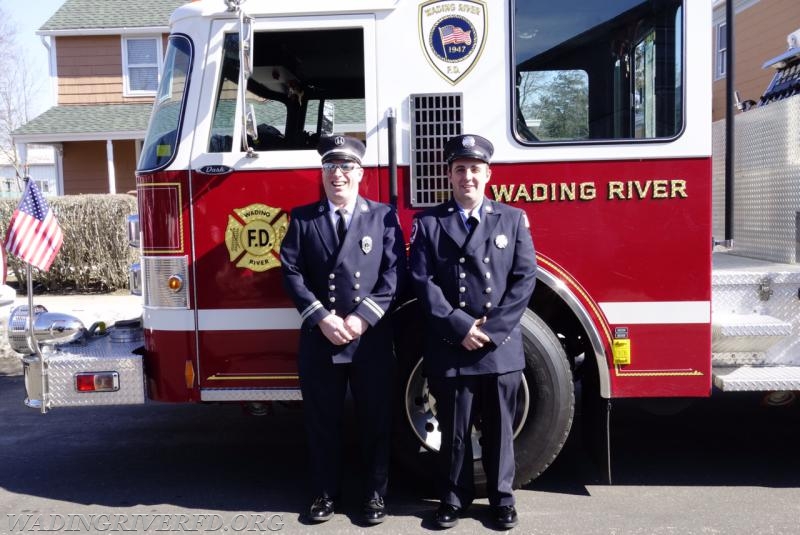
[[28, 16]]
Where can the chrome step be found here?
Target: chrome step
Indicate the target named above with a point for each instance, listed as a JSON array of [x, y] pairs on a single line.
[[746, 333], [756, 379]]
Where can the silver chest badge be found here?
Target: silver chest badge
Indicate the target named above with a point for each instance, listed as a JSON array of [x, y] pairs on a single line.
[[501, 241], [366, 244]]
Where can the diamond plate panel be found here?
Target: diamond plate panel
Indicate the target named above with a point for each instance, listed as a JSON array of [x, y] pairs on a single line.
[[737, 358], [733, 325], [251, 394], [757, 379], [736, 291], [767, 181], [99, 355]]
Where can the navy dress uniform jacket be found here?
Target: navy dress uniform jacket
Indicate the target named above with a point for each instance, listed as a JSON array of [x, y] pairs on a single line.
[[457, 282], [362, 276]]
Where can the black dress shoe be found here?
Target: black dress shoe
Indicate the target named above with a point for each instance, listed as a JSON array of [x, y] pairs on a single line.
[[446, 515], [374, 511], [321, 510], [505, 516]]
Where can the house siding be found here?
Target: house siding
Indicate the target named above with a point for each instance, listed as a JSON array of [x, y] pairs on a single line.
[[90, 71], [125, 165], [86, 167], [761, 31]]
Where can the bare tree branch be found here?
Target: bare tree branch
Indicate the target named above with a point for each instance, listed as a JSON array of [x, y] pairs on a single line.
[[17, 88]]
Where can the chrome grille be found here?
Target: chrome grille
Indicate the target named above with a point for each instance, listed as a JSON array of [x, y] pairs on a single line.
[[156, 271], [435, 118]]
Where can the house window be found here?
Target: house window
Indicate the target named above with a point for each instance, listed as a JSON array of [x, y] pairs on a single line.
[[722, 50], [141, 62]]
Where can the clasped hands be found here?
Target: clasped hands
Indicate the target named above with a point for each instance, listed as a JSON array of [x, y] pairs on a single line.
[[341, 331], [476, 338]]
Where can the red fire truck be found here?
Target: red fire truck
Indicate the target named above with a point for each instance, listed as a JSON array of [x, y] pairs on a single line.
[[600, 116]]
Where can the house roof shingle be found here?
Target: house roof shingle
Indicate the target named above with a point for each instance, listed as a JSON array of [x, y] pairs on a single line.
[[86, 122], [91, 14]]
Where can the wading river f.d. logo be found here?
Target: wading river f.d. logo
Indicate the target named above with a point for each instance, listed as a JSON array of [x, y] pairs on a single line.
[[254, 236], [452, 34]]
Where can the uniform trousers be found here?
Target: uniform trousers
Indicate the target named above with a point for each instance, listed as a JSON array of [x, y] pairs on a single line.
[[459, 401], [324, 387]]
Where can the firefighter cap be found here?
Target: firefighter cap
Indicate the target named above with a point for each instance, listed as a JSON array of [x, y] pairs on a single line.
[[468, 146], [341, 148]]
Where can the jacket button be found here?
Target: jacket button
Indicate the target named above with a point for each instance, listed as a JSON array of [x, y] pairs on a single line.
[[462, 289], [356, 286], [332, 287], [488, 290], [488, 275], [331, 276], [462, 304], [462, 260], [486, 260], [356, 299], [462, 275], [357, 274], [332, 299], [488, 305]]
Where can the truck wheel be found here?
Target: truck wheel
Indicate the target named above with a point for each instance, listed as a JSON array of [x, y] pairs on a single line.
[[544, 410]]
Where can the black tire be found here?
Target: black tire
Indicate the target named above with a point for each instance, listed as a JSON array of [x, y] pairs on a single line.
[[544, 416]]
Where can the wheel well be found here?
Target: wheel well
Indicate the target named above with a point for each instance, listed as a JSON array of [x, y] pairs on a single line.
[[562, 320]]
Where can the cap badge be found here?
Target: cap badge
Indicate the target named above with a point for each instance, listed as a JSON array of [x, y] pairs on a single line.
[[338, 141], [501, 241], [468, 142], [366, 244]]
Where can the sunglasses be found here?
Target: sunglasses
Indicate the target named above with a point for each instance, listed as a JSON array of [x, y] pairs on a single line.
[[346, 167]]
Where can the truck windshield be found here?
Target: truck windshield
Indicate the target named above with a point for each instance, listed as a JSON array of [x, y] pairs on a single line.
[[163, 132], [589, 70]]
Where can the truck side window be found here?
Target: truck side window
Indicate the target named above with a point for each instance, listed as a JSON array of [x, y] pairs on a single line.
[[588, 70], [301, 88], [161, 141]]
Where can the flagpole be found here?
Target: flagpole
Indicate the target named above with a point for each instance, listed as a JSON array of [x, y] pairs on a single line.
[[37, 248], [33, 343]]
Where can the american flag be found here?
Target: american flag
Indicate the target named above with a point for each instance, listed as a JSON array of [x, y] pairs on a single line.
[[453, 35], [34, 234]]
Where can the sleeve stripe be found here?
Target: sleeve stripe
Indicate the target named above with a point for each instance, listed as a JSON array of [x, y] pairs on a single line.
[[378, 311], [310, 309]]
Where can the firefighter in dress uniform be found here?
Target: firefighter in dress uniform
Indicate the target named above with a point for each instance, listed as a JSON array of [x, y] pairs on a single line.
[[342, 260], [473, 269]]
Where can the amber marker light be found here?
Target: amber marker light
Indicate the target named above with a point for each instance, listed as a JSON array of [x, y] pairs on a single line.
[[188, 374], [175, 283]]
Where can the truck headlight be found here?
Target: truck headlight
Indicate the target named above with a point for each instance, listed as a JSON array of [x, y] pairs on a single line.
[[50, 328]]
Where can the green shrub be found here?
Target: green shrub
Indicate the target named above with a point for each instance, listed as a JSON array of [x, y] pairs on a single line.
[[95, 254]]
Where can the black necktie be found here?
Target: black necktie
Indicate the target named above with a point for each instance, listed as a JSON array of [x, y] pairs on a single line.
[[472, 224], [340, 228]]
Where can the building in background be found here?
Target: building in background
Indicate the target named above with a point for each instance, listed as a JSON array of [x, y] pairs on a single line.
[[105, 59], [761, 27], [41, 167]]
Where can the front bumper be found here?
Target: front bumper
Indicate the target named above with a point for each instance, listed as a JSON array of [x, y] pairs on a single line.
[[57, 387]]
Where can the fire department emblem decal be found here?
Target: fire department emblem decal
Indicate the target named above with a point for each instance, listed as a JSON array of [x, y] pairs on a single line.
[[452, 34], [254, 236]]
